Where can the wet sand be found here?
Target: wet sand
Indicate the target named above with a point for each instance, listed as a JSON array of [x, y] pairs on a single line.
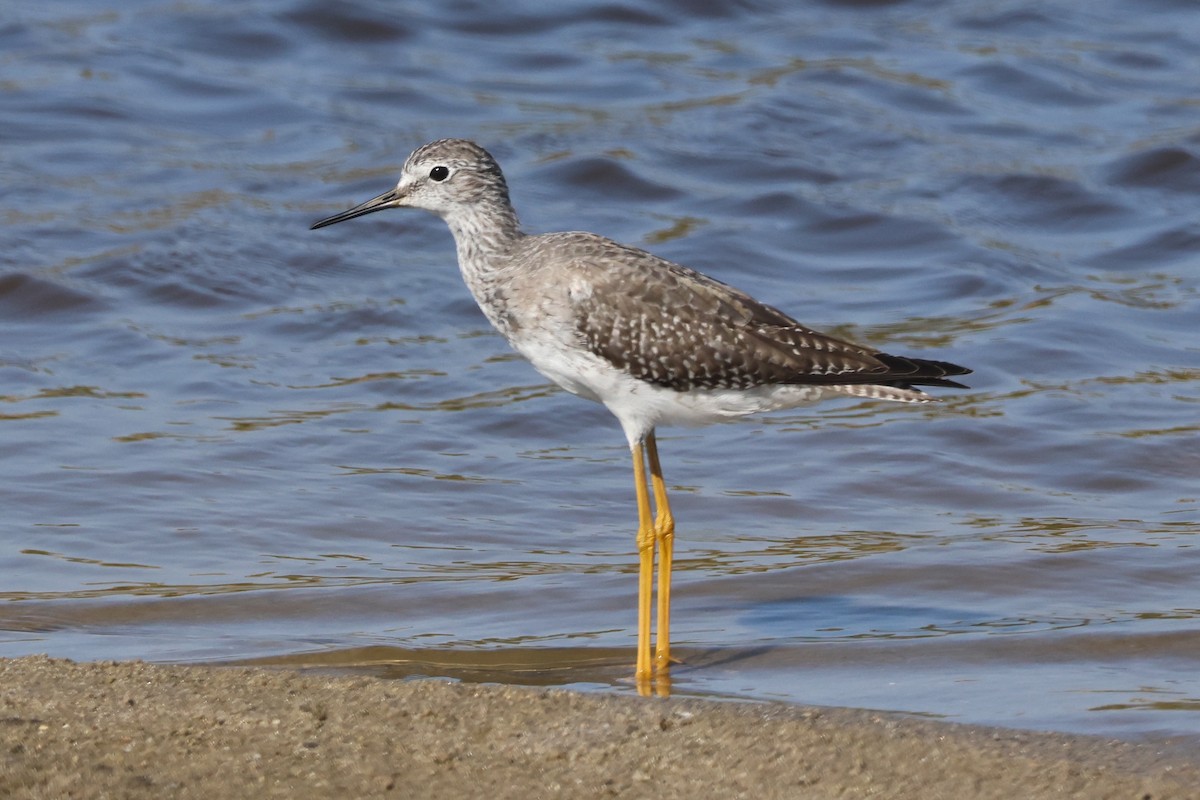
[[135, 730]]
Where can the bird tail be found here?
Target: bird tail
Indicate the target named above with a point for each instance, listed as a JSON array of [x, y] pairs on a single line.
[[878, 391], [905, 372], [903, 376]]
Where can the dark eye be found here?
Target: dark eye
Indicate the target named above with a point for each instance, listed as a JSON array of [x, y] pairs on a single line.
[[439, 173]]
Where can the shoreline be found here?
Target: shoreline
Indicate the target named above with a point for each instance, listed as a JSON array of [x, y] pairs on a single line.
[[137, 730]]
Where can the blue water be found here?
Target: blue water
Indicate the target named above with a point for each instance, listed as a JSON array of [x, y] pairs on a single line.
[[226, 438]]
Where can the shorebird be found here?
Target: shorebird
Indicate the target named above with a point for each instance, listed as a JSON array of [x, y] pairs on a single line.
[[657, 343]]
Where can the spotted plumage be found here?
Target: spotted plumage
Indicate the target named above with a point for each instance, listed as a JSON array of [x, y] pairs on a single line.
[[655, 342], [676, 328], [610, 322]]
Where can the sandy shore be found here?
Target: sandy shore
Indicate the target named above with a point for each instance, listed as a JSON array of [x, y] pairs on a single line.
[[134, 730]]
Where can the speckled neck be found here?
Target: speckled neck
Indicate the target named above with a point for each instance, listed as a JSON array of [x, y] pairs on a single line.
[[485, 231], [485, 234]]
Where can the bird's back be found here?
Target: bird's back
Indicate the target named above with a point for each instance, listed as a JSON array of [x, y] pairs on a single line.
[[676, 328]]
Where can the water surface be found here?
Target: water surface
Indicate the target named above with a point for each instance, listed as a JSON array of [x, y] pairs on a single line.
[[226, 438]]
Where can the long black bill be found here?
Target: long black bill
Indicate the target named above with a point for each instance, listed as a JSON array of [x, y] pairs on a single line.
[[386, 200]]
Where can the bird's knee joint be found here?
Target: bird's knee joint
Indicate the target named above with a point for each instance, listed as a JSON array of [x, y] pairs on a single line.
[[645, 540]]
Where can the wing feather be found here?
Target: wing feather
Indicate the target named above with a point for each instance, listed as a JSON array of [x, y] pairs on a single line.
[[677, 328]]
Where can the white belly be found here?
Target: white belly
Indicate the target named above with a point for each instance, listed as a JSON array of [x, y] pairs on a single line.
[[640, 407]]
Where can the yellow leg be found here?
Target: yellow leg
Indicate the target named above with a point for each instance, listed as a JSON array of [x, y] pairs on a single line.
[[645, 546], [664, 535]]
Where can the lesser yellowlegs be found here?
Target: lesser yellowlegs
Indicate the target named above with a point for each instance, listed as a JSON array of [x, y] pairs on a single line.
[[655, 342]]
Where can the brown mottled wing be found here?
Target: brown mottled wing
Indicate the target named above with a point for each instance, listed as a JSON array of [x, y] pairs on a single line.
[[674, 327]]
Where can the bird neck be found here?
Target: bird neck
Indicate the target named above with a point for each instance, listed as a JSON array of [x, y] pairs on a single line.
[[484, 235]]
